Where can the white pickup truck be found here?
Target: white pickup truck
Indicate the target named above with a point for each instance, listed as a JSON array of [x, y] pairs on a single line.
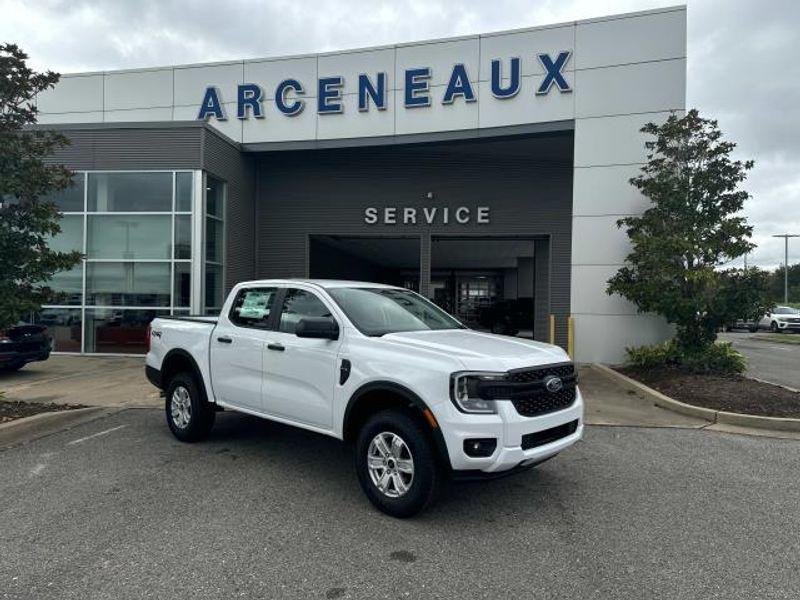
[[418, 394]]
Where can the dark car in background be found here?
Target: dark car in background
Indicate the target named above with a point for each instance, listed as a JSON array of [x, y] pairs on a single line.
[[22, 344], [507, 317]]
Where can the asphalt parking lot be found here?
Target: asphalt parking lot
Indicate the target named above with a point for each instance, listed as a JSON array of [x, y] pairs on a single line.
[[116, 508], [771, 361]]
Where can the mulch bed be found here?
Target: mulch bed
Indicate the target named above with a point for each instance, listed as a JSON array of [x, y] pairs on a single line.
[[12, 409], [732, 393]]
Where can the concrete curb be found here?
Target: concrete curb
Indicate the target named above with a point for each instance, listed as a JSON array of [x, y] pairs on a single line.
[[20, 431], [709, 414]]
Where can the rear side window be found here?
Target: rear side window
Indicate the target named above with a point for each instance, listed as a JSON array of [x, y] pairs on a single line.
[[298, 304], [253, 307]]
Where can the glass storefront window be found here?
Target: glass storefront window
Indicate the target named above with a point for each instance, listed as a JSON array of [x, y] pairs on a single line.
[[118, 331], [127, 284], [214, 230], [183, 192], [183, 284], [68, 286], [213, 288], [64, 324], [71, 198], [129, 237], [183, 236], [215, 193], [130, 192], [136, 229], [71, 235]]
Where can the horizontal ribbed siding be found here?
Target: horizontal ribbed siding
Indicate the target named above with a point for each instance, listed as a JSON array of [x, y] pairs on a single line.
[[326, 191], [132, 148], [224, 160]]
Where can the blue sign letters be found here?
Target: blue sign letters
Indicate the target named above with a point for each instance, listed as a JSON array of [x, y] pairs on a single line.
[[211, 106], [458, 85], [553, 73], [417, 90]]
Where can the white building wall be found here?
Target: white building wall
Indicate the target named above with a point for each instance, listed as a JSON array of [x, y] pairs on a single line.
[[624, 70], [629, 70]]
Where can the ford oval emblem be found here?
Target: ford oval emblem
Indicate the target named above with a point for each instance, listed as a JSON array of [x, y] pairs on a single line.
[[553, 384]]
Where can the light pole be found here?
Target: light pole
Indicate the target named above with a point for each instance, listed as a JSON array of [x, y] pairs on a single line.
[[786, 237]]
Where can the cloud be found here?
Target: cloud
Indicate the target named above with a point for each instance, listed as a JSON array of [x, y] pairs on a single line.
[[742, 70]]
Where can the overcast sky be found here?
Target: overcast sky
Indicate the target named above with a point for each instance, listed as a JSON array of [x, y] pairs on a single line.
[[744, 58]]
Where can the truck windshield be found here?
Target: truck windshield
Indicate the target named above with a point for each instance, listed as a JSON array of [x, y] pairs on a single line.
[[378, 311]]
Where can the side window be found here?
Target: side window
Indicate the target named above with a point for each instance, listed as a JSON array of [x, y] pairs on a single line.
[[252, 307], [298, 304]]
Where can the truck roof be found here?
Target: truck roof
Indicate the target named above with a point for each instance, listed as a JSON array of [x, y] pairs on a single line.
[[324, 283]]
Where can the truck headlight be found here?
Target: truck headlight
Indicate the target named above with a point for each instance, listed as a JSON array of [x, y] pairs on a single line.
[[468, 391]]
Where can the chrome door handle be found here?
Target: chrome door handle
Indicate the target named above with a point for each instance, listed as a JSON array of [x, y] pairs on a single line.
[[278, 347]]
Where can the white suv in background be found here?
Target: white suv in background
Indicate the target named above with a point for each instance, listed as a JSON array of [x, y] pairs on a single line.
[[780, 319], [417, 393]]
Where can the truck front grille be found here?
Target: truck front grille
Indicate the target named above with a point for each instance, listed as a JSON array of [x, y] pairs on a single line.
[[540, 401]]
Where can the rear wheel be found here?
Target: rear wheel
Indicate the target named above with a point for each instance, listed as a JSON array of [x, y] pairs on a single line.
[[396, 464], [189, 415]]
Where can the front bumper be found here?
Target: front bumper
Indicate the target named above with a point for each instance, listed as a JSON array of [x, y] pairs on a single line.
[[785, 326], [508, 427]]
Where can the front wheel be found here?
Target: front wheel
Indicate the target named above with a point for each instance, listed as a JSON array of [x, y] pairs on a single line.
[[396, 464], [189, 415], [774, 327]]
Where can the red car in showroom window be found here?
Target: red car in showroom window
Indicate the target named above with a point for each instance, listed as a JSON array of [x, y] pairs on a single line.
[[22, 344]]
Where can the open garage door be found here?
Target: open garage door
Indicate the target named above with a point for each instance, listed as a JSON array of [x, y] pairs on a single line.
[[390, 260]]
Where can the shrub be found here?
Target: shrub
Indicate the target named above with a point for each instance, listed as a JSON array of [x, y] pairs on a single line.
[[719, 357]]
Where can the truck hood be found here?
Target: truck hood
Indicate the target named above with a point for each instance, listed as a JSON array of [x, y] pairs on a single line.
[[482, 351]]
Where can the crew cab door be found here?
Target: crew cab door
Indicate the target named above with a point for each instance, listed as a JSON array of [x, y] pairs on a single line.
[[300, 373], [238, 345]]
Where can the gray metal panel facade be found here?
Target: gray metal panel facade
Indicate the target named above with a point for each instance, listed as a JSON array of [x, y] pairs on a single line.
[[325, 192], [131, 148], [277, 200], [224, 160]]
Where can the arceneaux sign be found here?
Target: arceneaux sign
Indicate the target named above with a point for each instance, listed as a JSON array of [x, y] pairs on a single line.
[[374, 90]]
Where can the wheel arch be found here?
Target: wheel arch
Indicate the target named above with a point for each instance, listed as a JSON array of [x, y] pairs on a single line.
[[375, 396], [177, 361]]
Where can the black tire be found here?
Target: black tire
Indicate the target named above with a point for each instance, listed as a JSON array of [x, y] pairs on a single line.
[[752, 329], [11, 368], [201, 414], [423, 486], [774, 327]]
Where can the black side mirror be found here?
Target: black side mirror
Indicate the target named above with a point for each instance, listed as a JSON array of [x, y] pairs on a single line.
[[324, 328]]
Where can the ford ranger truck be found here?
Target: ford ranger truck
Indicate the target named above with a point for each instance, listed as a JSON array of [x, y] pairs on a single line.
[[420, 396]]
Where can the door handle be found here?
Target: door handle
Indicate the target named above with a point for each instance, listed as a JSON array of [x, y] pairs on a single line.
[[278, 347], [224, 340]]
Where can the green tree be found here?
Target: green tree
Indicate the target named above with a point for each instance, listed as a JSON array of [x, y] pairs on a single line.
[[776, 284], [692, 228], [27, 219]]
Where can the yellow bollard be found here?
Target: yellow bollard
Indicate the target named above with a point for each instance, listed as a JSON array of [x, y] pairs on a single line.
[[571, 336], [552, 329]]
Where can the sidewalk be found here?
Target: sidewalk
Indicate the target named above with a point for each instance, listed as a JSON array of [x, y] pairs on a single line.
[[89, 380], [608, 403]]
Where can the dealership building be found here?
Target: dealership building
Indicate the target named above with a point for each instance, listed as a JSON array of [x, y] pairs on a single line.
[[486, 172]]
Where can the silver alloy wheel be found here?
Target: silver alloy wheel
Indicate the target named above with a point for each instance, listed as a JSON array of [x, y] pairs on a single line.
[[390, 464], [181, 407]]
